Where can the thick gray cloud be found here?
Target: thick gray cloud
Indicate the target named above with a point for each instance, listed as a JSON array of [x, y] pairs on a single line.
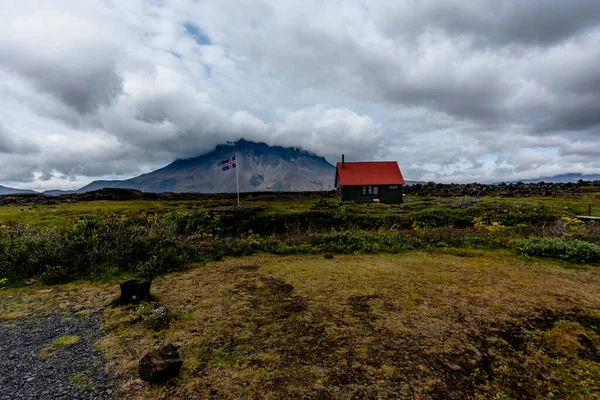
[[492, 22], [9, 144], [454, 90], [63, 56], [434, 56]]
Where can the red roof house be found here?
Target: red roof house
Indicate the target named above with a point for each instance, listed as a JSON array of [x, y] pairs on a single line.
[[369, 181]]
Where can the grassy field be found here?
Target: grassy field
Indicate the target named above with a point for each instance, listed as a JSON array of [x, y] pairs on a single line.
[[108, 239], [59, 214], [448, 323], [434, 298]]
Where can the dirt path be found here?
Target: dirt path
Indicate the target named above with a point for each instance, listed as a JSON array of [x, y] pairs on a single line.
[[48, 343], [52, 356]]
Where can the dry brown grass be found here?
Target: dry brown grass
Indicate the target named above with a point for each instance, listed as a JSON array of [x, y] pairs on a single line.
[[39, 300], [416, 325], [446, 324]]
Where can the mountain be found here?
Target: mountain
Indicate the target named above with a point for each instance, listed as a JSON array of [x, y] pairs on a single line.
[[260, 168], [7, 190], [564, 178]]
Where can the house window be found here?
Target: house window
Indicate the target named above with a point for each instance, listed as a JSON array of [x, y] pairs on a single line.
[[364, 191], [370, 190], [393, 187]]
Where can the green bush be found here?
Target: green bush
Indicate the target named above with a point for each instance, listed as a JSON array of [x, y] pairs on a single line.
[[560, 248], [54, 274], [97, 247]]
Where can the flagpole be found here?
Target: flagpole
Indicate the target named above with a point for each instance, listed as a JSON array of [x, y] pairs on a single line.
[[237, 180]]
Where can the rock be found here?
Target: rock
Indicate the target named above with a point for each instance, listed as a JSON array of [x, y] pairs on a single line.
[[329, 256], [161, 364], [135, 289], [159, 317]]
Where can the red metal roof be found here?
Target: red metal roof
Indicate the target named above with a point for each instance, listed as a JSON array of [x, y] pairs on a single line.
[[370, 173]]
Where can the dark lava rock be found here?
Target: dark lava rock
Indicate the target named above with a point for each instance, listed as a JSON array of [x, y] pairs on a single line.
[[134, 290], [159, 317], [131, 194], [519, 189], [161, 364]]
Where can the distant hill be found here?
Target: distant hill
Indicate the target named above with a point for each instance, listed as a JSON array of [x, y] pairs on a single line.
[[260, 168], [564, 178], [7, 190], [57, 192]]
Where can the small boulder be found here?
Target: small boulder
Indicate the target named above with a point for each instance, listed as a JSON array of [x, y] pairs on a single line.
[[135, 290], [161, 364], [329, 256], [159, 317]]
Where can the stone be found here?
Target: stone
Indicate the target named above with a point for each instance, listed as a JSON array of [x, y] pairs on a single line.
[[135, 289], [329, 256], [161, 364], [159, 317]]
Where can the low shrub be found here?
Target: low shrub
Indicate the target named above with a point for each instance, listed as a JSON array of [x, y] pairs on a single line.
[[93, 247], [560, 248]]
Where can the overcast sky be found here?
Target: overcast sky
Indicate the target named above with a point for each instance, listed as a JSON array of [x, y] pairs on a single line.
[[454, 90]]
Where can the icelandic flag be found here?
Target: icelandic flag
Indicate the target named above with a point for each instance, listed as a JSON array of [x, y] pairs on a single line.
[[228, 164]]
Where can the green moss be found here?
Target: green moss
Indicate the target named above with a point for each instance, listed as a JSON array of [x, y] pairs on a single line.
[[221, 356], [83, 381], [65, 341], [60, 343]]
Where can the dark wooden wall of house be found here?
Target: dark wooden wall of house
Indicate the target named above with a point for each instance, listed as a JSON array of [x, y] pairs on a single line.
[[386, 195]]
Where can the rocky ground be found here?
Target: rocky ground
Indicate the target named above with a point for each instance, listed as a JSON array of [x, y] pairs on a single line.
[[510, 190], [37, 361]]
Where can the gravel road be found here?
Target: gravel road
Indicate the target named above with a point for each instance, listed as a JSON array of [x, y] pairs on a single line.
[[31, 367]]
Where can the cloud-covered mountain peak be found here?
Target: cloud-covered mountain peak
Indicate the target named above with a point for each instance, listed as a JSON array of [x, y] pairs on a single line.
[[260, 167]]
